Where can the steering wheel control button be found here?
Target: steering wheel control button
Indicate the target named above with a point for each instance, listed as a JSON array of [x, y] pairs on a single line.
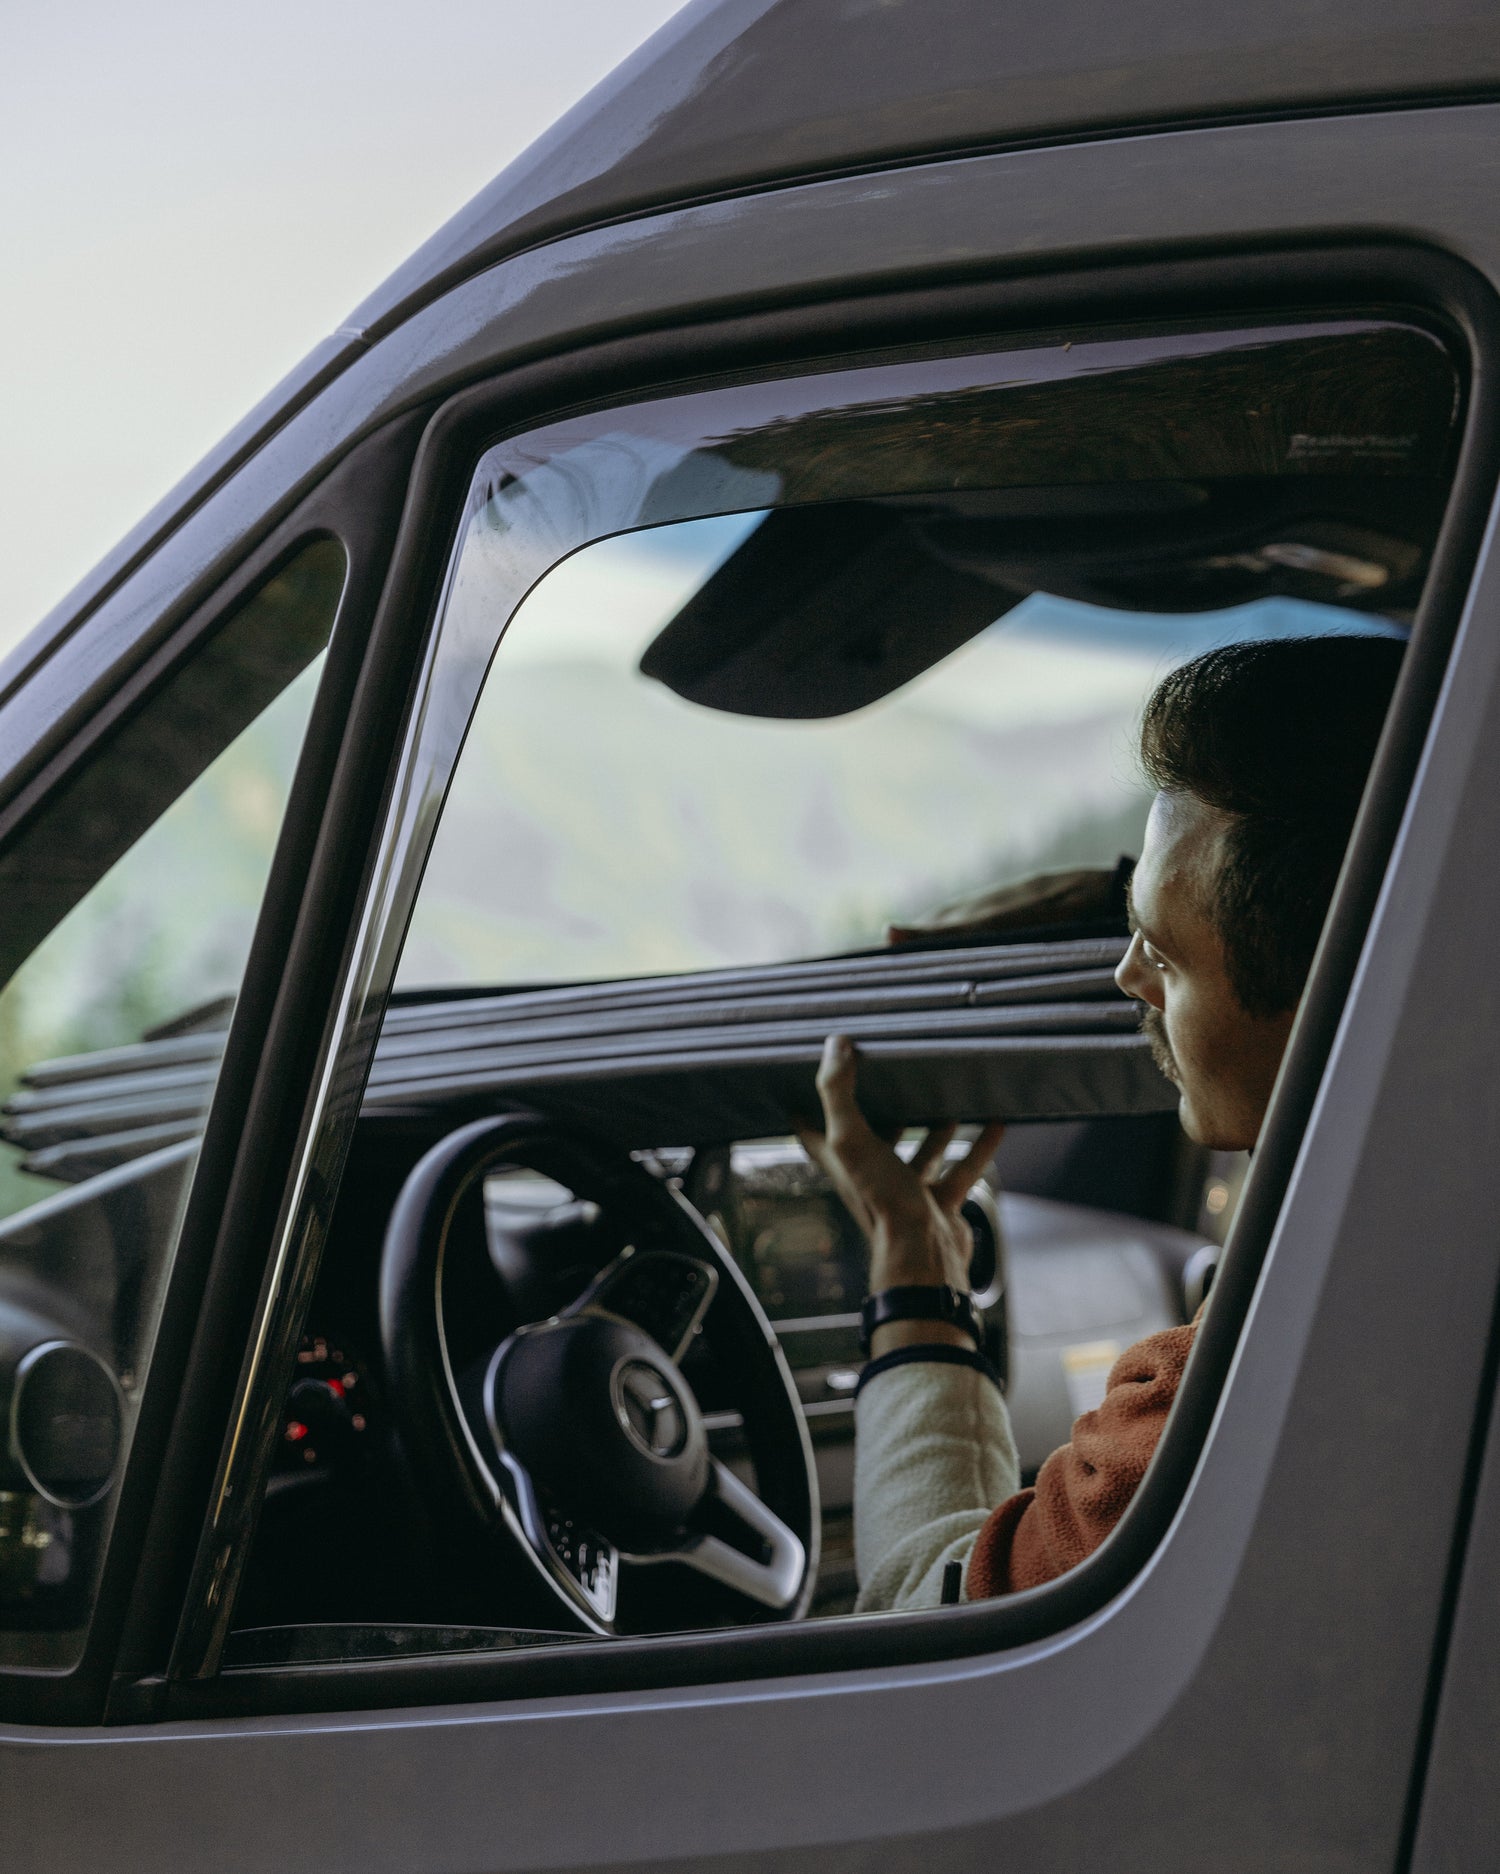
[[647, 1407], [604, 1423], [586, 1557], [665, 1294]]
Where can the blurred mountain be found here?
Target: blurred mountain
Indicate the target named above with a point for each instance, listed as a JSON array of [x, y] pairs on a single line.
[[603, 827]]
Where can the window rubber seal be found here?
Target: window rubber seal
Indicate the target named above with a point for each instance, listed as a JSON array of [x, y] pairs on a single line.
[[1407, 280]]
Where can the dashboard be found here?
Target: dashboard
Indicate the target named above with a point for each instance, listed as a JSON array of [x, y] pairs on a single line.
[[1067, 1270], [1064, 1288], [327, 1419]]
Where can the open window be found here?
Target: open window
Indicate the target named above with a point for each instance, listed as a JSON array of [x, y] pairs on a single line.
[[733, 697]]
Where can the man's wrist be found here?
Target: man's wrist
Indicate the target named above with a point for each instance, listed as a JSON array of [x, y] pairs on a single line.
[[907, 1261], [893, 1334], [936, 1303]]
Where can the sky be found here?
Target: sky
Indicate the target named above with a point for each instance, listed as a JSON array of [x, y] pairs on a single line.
[[194, 192]]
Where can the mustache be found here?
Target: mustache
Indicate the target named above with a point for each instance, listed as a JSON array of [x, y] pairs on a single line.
[[1155, 1031]]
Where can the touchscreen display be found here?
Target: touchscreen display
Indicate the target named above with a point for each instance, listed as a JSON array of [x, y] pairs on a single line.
[[804, 1255]]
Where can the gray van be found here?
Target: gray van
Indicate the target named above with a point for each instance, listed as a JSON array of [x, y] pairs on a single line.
[[435, 843]]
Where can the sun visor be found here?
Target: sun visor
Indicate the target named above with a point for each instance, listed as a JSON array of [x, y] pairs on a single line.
[[820, 612], [1305, 465]]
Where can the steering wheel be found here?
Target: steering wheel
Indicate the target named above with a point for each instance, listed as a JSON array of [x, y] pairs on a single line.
[[576, 1442]]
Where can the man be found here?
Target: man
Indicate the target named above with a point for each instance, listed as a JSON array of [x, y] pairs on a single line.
[[1259, 754]]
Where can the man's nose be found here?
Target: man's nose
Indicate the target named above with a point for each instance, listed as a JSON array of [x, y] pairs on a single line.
[[1136, 977]]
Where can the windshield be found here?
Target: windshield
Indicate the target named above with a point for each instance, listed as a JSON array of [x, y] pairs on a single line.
[[601, 825]]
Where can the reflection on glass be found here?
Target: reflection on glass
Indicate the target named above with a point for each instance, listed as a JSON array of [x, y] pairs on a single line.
[[160, 942], [101, 1133], [653, 784], [601, 825]]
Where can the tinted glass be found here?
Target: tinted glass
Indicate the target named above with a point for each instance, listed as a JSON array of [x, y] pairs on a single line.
[[600, 824], [803, 705], [146, 960]]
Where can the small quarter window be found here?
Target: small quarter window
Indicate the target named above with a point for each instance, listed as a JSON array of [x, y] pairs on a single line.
[[131, 913]]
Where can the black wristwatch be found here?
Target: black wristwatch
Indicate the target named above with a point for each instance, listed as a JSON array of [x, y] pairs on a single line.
[[935, 1301]]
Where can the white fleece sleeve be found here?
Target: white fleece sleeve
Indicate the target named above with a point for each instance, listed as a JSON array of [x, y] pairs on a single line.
[[933, 1455]]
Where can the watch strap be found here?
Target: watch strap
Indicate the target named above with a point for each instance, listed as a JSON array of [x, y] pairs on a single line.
[[924, 1301], [929, 1353]]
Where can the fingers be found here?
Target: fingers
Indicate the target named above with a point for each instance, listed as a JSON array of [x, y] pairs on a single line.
[[931, 1150], [951, 1189], [837, 1073], [814, 1144], [857, 1160], [863, 1166], [850, 1140]]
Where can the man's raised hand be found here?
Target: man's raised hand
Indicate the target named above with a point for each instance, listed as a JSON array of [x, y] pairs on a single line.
[[907, 1208]]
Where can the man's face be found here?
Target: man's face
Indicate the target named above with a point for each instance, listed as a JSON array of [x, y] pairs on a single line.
[[1222, 1058]]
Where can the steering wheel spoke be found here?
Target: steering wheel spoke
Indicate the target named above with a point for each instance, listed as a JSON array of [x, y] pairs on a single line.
[[665, 1293], [584, 1565], [767, 1563]]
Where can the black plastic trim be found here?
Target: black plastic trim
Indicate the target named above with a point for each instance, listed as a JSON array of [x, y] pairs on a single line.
[[1406, 279], [57, 812], [271, 1046], [358, 504], [27, 791], [1480, 1439]]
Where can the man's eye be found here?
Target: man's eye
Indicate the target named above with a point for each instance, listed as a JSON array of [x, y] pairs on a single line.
[[1152, 955]]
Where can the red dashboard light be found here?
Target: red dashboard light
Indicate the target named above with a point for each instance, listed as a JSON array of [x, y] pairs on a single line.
[[296, 1431], [336, 1387]]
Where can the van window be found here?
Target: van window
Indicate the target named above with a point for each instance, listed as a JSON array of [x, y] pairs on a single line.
[[139, 969], [809, 705]]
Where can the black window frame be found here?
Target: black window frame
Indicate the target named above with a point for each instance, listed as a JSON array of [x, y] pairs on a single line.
[[358, 507], [1271, 282]]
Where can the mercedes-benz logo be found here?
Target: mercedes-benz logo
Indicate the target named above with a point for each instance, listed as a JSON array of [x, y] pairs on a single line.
[[647, 1407]]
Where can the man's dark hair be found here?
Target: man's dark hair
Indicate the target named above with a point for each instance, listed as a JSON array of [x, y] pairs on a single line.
[[1279, 736]]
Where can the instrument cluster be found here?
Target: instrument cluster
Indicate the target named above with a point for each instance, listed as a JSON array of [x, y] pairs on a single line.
[[326, 1419]]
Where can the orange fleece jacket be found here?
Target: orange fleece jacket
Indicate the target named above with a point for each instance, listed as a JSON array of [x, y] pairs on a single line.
[[1082, 1491]]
